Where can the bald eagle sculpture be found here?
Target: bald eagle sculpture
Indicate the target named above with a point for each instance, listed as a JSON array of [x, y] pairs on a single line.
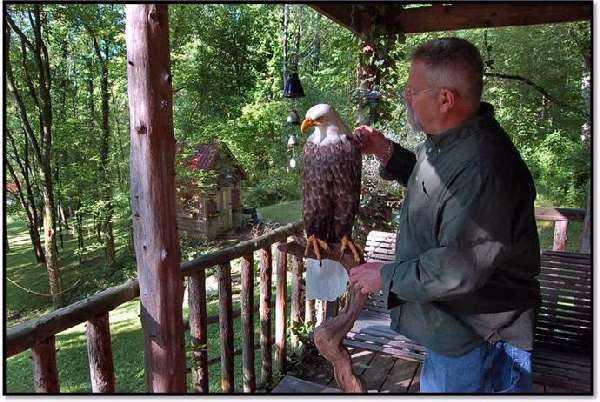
[[331, 186]]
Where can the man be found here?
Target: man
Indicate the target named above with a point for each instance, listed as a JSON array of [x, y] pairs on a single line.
[[463, 282]]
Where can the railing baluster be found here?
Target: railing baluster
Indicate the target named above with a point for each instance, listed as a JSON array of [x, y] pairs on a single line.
[[198, 330], [266, 271], [309, 314], [226, 327], [297, 312], [45, 371], [280, 311], [560, 235], [247, 296], [100, 357]]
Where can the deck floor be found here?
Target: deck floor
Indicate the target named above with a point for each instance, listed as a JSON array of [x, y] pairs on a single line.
[[383, 373]]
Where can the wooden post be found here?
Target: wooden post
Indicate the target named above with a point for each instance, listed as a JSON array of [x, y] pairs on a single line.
[[226, 327], [100, 357], [45, 371], [586, 231], [152, 172], [281, 311], [297, 311], [309, 315], [249, 377], [560, 235], [198, 330], [266, 270]]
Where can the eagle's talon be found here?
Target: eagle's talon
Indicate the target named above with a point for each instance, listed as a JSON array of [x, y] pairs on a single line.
[[356, 250], [316, 244]]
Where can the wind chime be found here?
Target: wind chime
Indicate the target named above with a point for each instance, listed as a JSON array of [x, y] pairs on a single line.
[[292, 88]]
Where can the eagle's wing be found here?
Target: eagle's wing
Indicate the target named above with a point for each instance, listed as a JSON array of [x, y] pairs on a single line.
[[318, 202], [346, 185]]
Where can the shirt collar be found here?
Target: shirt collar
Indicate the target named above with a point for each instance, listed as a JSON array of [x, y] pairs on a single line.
[[482, 119]]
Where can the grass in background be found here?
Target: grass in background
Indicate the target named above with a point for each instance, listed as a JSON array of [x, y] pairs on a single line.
[[286, 212], [128, 353]]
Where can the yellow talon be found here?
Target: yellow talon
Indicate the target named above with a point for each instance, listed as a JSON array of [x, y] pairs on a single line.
[[356, 250], [316, 244]]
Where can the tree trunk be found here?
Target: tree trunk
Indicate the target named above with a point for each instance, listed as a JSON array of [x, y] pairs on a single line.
[[106, 187], [42, 147], [152, 177], [27, 203], [54, 277]]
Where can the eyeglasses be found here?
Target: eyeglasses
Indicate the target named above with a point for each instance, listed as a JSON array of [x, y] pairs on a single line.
[[408, 92]]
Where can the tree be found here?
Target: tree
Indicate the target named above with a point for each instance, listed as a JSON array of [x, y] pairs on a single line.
[[35, 50]]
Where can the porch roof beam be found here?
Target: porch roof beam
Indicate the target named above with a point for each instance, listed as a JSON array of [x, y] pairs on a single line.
[[390, 19]]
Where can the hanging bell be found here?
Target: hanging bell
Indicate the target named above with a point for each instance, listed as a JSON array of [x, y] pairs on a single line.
[[293, 87], [293, 119], [292, 142]]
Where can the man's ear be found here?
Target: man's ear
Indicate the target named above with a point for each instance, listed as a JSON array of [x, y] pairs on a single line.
[[446, 99]]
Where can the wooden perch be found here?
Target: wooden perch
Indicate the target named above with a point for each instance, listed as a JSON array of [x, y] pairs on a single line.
[[331, 333]]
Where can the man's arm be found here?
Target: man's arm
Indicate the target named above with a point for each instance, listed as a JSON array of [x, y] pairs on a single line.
[[397, 162]]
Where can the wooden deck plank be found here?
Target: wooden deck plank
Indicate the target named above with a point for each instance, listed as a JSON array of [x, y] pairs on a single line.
[[400, 377], [415, 384], [378, 371], [293, 385]]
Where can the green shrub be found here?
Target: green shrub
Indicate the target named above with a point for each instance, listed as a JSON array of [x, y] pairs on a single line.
[[275, 187]]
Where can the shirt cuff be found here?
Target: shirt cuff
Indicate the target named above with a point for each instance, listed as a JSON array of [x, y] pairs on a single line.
[[387, 278]]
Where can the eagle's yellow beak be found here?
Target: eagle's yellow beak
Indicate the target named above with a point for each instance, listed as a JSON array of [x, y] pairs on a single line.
[[308, 123]]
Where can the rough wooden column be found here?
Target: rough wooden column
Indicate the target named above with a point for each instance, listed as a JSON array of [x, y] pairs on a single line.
[[281, 311], [152, 174], [198, 330], [100, 357], [247, 312], [560, 235], [226, 328], [45, 371], [266, 271], [586, 231]]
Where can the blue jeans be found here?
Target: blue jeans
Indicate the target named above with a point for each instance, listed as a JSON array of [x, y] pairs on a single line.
[[491, 367]]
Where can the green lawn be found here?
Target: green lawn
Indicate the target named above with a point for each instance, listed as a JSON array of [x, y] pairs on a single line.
[[27, 287], [286, 212], [126, 331]]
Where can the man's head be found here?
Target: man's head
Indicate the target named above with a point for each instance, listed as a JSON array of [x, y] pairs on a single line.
[[444, 84]]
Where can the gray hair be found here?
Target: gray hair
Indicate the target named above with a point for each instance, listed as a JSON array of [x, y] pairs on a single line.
[[453, 62]]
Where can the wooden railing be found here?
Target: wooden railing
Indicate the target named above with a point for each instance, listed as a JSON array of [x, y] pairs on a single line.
[[38, 334], [561, 218]]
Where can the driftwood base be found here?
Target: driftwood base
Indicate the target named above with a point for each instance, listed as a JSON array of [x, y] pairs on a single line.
[[331, 333]]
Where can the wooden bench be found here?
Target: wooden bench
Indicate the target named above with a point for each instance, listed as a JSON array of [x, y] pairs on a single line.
[[563, 334]]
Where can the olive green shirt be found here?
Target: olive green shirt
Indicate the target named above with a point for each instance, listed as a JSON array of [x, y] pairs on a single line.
[[467, 248]]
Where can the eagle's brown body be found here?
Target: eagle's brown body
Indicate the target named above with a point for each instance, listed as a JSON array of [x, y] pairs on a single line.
[[331, 188]]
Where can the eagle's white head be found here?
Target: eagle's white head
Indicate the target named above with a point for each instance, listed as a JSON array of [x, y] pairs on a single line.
[[329, 126]]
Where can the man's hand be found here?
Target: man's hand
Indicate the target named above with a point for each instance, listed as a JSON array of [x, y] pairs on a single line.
[[367, 277], [372, 141]]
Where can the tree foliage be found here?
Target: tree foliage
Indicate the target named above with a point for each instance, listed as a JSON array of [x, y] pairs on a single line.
[[227, 68]]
